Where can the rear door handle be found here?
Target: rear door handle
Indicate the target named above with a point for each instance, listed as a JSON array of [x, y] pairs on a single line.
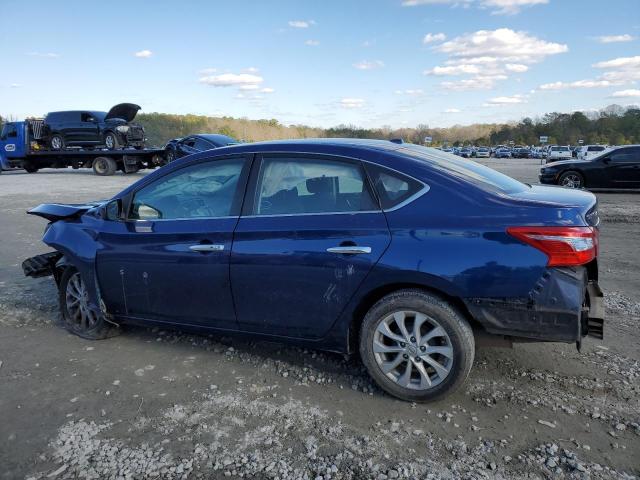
[[349, 250], [206, 247]]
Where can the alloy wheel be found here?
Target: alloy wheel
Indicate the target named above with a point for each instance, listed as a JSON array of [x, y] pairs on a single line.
[[108, 141], [413, 350], [56, 143], [77, 303], [572, 181]]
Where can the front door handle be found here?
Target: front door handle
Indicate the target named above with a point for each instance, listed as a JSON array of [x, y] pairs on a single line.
[[349, 250], [206, 247]]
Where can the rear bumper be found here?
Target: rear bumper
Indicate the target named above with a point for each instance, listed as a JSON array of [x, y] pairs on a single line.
[[563, 306]]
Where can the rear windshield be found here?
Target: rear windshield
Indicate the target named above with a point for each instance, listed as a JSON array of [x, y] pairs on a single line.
[[559, 149], [466, 169], [595, 149]]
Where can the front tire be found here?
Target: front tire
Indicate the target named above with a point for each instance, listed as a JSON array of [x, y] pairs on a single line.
[[77, 316], [56, 142], [169, 155], [571, 179], [30, 167], [416, 346], [111, 141]]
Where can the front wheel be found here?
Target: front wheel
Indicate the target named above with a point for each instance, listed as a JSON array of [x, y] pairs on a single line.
[[169, 155], [56, 142], [77, 315], [111, 141], [416, 346], [571, 179]]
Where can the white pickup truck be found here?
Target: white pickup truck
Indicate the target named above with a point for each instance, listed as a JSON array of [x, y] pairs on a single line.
[[556, 153], [589, 151]]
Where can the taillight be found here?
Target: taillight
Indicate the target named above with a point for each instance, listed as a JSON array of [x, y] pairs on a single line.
[[565, 246]]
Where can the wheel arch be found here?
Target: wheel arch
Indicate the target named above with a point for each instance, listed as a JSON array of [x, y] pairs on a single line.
[[369, 299]]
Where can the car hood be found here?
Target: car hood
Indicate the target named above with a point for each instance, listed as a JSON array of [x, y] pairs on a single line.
[[61, 211], [125, 111], [566, 162]]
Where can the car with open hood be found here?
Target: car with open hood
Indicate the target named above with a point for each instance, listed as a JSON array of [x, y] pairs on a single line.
[[95, 129], [400, 253]]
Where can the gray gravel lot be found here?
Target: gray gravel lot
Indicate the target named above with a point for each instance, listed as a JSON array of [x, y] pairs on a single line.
[[160, 404]]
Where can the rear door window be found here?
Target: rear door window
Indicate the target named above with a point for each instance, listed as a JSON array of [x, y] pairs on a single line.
[[627, 155], [290, 185]]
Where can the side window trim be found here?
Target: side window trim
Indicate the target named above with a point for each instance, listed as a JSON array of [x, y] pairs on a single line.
[[252, 193], [237, 202]]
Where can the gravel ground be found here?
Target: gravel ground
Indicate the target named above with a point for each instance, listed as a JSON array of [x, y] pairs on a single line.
[[159, 404]]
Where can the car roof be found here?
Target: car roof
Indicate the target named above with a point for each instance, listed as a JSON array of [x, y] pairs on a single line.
[[213, 137]]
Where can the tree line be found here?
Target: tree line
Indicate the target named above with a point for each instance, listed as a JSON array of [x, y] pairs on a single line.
[[613, 125]]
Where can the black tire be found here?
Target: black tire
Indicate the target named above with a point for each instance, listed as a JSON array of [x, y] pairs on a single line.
[[56, 142], [111, 141], [77, 317], [459, 341], [571, 179], [169, 155], [104, 166], [30, 167]]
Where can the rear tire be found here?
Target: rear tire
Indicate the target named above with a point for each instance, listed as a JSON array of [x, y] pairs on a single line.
[[77, 317], [571, 179], [104, 166], [416, 346]]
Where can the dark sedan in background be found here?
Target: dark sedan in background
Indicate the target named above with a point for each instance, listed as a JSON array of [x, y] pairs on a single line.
[[618, 167], [181, 147]]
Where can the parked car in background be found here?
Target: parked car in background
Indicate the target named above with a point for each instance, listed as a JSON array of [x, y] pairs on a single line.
[[181, 147], [588, 151], [305, 242], [558, 152], [503, 153], [614, 168], [87, 128], [521, 152], [466, 152], [483, 152]]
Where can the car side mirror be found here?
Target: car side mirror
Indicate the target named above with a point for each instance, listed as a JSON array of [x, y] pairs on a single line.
[[113, 210], [606, 160]]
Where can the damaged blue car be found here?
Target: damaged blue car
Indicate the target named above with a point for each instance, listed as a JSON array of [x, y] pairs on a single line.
[[404, 254]]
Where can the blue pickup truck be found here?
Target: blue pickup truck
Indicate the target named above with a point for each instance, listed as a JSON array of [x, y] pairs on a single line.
[[23, 146]]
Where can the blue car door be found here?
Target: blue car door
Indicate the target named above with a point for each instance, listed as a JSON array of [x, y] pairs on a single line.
[[169, 261], [310, 233]]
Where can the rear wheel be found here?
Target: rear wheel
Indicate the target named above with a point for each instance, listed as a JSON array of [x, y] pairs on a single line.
[[416, 346], [571, 179], [77, 315], [104, 166], [56, 142]]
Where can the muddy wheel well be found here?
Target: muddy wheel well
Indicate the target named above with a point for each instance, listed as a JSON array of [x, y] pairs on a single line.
[[372, 297]]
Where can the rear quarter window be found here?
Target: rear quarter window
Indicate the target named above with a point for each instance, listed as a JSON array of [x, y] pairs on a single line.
[[393, 188]]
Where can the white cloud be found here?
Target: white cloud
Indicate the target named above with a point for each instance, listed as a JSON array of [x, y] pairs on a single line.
[[498, 7], [626, 93], [503, 44], [301, 23], [452, 110], [576, 84], [44, 55], [231, 79], [410, 91], [249, 87], [434, 37], [208, 71], [15, 85], [252, 70], [267, 90], [515, 99], [615, 38], [143, 54], [462, 69], [516, 67], [621, 62], [479, 82], [312, 43], [369, 65], [510, 7], [352, 103]]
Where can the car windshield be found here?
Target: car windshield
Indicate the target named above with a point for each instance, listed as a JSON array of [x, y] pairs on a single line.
[[467, 169]]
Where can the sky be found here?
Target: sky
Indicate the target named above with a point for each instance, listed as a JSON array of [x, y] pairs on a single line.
[[369, 63]]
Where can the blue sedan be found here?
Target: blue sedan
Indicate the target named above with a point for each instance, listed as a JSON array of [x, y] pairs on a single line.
[[401, 253]]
